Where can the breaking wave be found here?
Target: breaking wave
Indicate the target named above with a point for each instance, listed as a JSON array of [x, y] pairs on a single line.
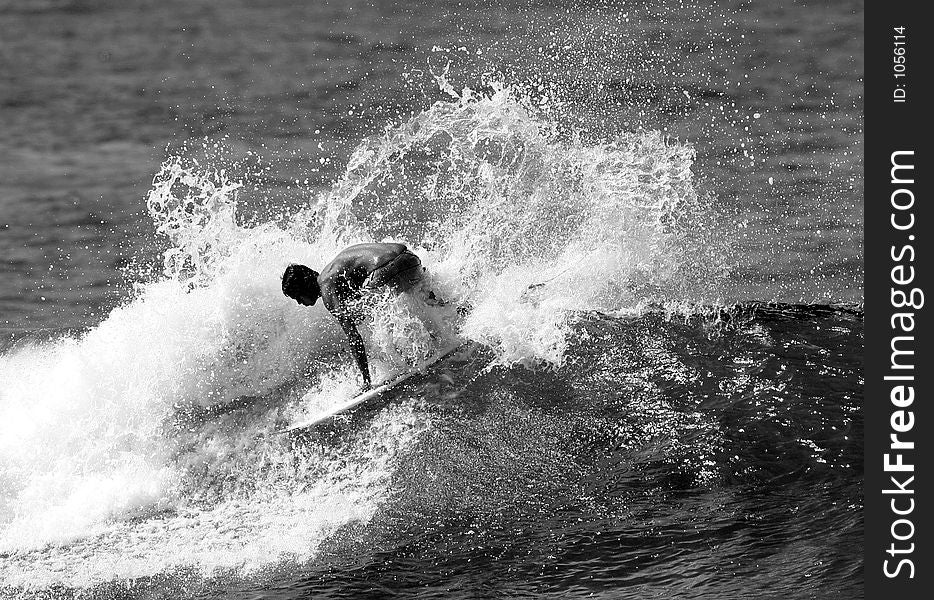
[[144, 445]]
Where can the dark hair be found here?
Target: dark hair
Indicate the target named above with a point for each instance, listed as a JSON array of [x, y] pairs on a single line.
[[299, 280]]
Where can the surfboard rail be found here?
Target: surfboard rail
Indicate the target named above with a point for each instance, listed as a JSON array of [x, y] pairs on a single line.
[[374, 392]]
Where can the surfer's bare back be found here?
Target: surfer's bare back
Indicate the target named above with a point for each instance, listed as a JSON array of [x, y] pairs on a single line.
[[344, 280]]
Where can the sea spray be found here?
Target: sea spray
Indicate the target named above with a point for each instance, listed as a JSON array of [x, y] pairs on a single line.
[[155, 422], [91, 428], [527, 224]]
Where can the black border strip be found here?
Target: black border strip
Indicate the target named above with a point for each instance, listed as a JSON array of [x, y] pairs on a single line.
[[898, 260]]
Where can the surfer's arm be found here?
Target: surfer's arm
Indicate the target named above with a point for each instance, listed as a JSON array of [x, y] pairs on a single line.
[[337, 306], [356, 347]]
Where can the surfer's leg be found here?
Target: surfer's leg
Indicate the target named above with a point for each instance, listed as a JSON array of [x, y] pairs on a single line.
[[405, 273]]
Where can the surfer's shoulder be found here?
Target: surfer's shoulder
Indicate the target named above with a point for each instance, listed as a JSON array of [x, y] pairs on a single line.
[[331, 297]]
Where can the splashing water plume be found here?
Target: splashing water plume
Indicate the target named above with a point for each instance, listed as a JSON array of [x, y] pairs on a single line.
[[148, 431], [503, 202]]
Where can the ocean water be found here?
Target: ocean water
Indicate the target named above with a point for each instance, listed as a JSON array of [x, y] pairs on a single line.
[[652, 211]]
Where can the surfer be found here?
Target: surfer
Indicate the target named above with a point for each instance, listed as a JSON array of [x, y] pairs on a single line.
[[344, 281]]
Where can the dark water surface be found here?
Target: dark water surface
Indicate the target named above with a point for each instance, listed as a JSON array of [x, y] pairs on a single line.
[[668, 458], [674, 411]]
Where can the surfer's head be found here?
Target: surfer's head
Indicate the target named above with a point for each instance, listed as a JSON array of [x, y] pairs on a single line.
[[301, 284]]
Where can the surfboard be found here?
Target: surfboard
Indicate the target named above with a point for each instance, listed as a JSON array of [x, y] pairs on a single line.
[[382, 388]]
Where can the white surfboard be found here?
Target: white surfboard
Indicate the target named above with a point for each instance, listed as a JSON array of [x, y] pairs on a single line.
[[374, 392]]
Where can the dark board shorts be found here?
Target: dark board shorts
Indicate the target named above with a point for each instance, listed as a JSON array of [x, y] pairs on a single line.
[[402, 272]]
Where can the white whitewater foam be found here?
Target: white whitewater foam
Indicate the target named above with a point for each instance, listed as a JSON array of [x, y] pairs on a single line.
[[138, 447]]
